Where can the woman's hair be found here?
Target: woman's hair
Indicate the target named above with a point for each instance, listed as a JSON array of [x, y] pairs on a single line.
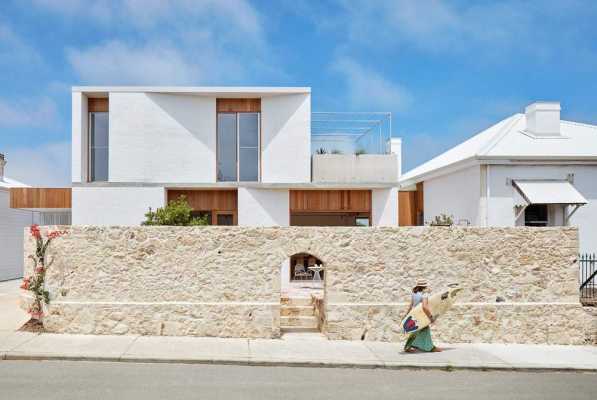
[[418, 289]]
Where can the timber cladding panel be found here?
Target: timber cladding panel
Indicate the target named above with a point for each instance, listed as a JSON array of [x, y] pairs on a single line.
[[238, 105], [207, 200], [98, 104], [330, 201], [411, 207], [40, 198], [407, 215]]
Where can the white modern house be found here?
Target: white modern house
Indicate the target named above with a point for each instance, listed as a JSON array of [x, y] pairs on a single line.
[[240, 155], [530, 169], [12, 223], [252, 156]]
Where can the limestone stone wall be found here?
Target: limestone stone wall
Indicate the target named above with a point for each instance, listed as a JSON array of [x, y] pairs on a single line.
[[225, 281]]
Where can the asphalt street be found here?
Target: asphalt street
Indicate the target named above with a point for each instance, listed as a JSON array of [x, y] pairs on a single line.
[[102, 380]]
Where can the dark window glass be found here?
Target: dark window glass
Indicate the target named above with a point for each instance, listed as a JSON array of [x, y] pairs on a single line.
[[98, 146], [201, 214], [248, 135], [225, 219], [238, 147], [362, 221], [227, 146], [536, 215]]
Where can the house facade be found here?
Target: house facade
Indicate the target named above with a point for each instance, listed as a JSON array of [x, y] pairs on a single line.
[[21, 206], [531, 169], [241, 156], [12, 223]]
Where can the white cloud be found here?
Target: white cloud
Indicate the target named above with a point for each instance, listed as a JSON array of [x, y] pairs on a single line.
[[35, 112], [13, 49], [171, 42], [487, 30], [116, 62], [236, 16], [46, 165], [369, 90]]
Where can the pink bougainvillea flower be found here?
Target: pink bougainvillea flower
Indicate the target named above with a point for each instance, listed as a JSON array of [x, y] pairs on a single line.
[[34, 229], [39, 269], [26, 283], [55, 234], [36, 314]]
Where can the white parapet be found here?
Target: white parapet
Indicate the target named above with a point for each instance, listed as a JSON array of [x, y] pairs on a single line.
[[351, 168]]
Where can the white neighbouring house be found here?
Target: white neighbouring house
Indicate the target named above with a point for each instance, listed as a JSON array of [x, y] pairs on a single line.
[[251, 156], [530, 169], [20, 207], [12, 223]]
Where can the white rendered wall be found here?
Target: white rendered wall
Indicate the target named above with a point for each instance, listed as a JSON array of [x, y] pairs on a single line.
[[114, 205], [456, 194], [12, 224], [396, 148], [286, 138], [384, 207], [79, 137], [263, 207], [157, 137], [501, 200]]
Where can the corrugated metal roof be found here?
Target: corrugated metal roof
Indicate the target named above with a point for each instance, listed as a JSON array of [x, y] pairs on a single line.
[[508, 139]]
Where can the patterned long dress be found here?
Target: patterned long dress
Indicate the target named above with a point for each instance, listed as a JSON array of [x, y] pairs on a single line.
[[420, 340]]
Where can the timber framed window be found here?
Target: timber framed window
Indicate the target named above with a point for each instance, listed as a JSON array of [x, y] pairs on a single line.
[[98, 140], [238, 140]]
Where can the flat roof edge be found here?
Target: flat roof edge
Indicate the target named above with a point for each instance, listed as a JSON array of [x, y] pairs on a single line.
[[195, 89]]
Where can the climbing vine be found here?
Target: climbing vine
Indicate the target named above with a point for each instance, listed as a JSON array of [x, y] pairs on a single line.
[[35, 283]]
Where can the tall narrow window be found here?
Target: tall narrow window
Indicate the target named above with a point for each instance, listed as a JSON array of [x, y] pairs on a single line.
[[248, 147], [227, 146], [238, 146], [98, 146]]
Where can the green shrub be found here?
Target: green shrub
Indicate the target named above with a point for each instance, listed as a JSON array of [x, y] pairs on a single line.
[[176, 213], [443, 220]]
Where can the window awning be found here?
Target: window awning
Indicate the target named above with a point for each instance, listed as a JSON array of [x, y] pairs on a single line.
[[548, 192]]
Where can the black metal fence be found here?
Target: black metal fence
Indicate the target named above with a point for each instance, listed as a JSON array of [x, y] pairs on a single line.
[[588, 278]]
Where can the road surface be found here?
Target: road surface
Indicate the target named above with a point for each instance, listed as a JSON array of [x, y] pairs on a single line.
[[65, 380]]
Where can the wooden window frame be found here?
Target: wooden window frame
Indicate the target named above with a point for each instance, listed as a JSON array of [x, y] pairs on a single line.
[[237, 114], [236, 106]]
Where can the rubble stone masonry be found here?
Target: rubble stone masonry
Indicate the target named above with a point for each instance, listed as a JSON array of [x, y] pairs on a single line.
[[225, 281]]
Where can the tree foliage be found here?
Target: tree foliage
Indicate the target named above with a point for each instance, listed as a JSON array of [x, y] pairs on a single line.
[[176, 213]]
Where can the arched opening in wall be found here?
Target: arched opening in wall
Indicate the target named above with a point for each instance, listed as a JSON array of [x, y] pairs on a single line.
[[302, 291]]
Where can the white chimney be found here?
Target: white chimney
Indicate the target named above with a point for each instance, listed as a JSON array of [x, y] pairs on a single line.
[[2, 164], [543, 118]]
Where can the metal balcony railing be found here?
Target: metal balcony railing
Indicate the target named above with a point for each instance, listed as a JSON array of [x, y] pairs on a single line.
[[351, 132]]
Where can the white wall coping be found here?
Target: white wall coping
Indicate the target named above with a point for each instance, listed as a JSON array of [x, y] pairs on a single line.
[[228, 91]]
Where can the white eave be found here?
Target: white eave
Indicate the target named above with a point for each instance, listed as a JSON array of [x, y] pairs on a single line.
[[8, 183], [223, 91]]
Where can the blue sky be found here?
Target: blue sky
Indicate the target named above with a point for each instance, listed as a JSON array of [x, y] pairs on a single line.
[[445, 69]]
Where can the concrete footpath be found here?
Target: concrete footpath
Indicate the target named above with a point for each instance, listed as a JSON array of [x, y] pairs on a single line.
[[292, 350]]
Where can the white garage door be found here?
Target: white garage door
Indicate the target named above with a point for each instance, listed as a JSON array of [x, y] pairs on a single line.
[[12, 223]]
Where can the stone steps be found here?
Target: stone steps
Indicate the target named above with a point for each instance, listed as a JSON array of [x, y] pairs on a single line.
[[298, 322], [297, 314], [296, 301], [296, 311]]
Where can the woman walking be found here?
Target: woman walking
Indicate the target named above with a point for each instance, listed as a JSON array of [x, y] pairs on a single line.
[[420, 340]]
